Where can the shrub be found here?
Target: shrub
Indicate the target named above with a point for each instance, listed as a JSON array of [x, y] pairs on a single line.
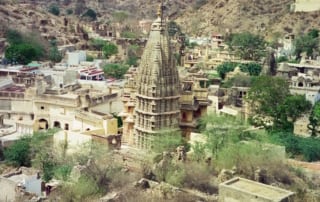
[[19, 152], [54, 9]]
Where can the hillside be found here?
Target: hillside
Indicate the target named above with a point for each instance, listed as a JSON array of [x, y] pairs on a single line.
[[196, 17], [268, 17]]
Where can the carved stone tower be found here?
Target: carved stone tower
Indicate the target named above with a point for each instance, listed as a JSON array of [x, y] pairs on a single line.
[[158, 87]]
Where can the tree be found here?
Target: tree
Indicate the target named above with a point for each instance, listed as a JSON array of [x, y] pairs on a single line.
[[246, 45], [314, 120], [295, 106], [24, 47], [254, 69], [109, 49], [267, 96], [306, 43], [173, 29], [97, 44], [115, 70], [54, 54], [21, 53], [90, 14], [18, 152], [226, 67], [54, 9]]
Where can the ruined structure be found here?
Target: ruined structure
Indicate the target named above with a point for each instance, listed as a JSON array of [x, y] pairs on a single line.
[[239, 189]]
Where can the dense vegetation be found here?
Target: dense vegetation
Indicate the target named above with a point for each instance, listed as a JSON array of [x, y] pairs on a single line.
[[24, 47]]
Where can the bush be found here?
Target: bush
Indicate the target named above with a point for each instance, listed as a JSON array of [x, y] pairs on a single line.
[[24, 48], [308, 148], [115, 70], [128, 34], [54, 9], [90, 14], [19, 152]]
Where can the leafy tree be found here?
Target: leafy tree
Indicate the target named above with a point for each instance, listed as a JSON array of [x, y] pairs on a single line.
[[22, 53], [253, 69], [109, 49], [54, 54], [248, 46], [226, 67], [314, 33], [308, 43], [54, 9], [295, 106], [90, 14], [18, 152], [173, 28], [267, 95], [314, 120], [24, 48], [115, 70], [219, 131], [97, 44]]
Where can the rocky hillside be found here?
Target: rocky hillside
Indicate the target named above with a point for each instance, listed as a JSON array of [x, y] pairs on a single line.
[[268, 17], [196, 17]]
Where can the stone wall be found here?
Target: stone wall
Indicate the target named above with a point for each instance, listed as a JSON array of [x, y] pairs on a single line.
[[306, 5]]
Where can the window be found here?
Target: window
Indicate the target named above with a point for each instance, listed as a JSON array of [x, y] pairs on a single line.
[[42, 107]]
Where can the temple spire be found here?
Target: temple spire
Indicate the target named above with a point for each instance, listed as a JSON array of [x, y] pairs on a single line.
[[161, 11]]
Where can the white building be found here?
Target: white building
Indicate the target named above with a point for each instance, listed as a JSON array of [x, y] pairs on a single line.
[[74, 58]]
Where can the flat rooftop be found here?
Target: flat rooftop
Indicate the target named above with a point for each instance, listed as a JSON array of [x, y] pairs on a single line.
[[258, 189]]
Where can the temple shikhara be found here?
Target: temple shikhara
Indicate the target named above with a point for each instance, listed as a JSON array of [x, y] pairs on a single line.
[[154, 98]]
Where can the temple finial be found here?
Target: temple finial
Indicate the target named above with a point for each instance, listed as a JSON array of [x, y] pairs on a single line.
[[160, 10]]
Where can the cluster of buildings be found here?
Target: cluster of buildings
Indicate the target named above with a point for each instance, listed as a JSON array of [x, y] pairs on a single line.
[[73, 96]]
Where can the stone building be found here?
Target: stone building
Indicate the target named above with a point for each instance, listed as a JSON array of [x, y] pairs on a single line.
[[239, 189], [154, 98], [158, 87]]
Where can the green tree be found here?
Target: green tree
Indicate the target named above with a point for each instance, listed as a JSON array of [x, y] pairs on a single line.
[[24, 47], [54, 9], [22, 53], [314, 33], [54, 54], [226, 67], [90, 14], [314, 120], [253, 69], [305, 43], [115, 70], [109, 49], [173, 29], [267, 96], [97, 44], [18, 152], [247, 45], [295, 106]]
